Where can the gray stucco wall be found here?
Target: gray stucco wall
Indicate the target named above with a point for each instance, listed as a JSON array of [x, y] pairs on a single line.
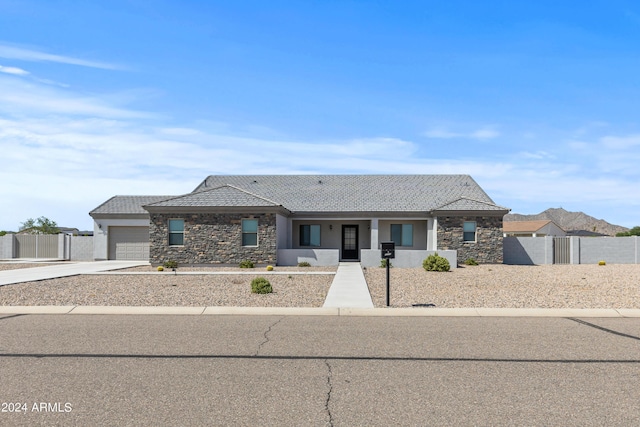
[[614, 250], [211, 238], [487, 249], [419, 232], [81, 248], [315, 257], [528, 250], [331, 233], [584, 250]]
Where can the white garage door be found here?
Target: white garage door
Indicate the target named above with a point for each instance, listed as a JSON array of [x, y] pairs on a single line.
[[130, 243]]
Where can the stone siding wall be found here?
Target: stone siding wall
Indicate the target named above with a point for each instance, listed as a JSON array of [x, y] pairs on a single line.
[[212, 239], [487, 249]]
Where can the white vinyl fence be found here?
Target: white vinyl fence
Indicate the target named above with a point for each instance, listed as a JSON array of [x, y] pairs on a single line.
[[571, 250]]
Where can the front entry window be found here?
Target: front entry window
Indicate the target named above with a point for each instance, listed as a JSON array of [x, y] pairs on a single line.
[[402, 234], [310, 235]]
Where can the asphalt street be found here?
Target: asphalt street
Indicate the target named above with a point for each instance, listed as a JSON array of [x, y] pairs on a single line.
[[318, 370]]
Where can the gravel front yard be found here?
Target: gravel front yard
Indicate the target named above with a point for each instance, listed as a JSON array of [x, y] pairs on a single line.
[[511, 286], [492, 286]]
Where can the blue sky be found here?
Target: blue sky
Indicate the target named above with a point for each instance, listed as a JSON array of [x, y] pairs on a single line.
[[538, 101]]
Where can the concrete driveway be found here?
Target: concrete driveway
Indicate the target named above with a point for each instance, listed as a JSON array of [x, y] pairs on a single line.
[[62, 269]]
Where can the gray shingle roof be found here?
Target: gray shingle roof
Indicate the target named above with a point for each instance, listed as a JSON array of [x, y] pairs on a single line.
[[226, 195], [359, 193], [322, 193], [127, 205]]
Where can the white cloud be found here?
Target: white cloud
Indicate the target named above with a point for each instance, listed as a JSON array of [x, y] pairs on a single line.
[[483, 133], [441, 133], [24, 54], [64, 153], [620, 142], [34, 99], [13, 70], [537, 155]]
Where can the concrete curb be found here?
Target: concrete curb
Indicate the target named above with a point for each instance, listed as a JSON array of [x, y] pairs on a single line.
[[210, 273], [313, 311]]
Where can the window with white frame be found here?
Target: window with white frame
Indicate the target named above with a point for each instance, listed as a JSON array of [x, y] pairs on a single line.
[[469, 231], [249, 232], [310, 235], [176, 232], [402, 234]]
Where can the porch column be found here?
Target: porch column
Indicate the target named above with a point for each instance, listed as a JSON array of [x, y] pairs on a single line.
[[432, 234], [374, 233]]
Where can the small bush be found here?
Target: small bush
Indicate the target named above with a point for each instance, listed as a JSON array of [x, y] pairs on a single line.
[[170, 264], [260, 285], [304, 264], [602, 263], [160, 268], [383, 263], [471, 261], [246, 264], [269, 267], [436, 263]]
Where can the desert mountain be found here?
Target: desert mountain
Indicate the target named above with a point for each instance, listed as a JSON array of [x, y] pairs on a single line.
[[570, 221]]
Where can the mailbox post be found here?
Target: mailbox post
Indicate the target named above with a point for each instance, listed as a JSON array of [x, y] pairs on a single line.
[[388, 252]]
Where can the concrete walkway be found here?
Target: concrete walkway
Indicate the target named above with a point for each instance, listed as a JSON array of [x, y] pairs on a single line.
[[349, 288], [62, 269]]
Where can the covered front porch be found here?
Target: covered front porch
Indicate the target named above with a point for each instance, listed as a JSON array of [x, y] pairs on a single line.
[[329, 241]]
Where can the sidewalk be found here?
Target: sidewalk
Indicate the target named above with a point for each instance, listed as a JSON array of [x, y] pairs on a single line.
[[349, 288], [332, 311]]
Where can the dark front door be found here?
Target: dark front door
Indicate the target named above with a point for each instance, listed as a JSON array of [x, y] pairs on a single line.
[[350, 242]]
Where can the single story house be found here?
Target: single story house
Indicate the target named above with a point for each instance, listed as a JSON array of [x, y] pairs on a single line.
[[536, 228], [321, 219]]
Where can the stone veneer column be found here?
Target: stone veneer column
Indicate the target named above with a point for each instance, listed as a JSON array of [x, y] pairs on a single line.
[[489, 241]]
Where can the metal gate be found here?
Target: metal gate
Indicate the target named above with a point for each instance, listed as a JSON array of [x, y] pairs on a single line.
[[561, 250], [36, 245]]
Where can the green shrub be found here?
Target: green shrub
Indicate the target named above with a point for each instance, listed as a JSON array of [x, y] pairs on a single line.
[[170, 264], [383, 263], [471, 261], [304, 264], [260, 285], [246, 264], [436, 263]]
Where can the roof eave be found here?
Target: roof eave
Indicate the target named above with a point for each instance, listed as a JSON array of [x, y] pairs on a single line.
[[119, 215], [497, 213]]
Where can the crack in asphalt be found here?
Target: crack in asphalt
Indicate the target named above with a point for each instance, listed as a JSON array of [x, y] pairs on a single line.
[[265, 335], [282, 357], [610, 331], [330, 386], [11, 316]]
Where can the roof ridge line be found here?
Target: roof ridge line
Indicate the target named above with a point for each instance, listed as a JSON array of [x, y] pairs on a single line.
[[251, 194]]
